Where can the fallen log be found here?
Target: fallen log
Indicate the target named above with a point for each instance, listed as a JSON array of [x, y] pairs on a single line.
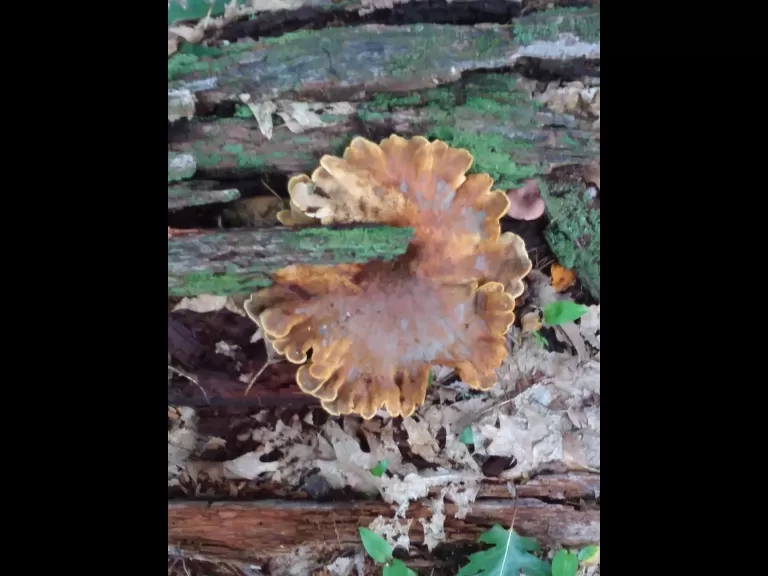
[[240, 261], [252, 530], [510, 135], [199, 193], [342, 63]]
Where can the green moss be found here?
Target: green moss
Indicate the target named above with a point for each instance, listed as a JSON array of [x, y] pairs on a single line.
[[495, 119], [339, 144], [207, 160], [547, 25], [574, 230], [353, 245], [290, 37], [243, 111], [183, 64], [493, 154], [218, 284], [233, 148], [193, 59], [199, 50], [302, 140], [330, 118]]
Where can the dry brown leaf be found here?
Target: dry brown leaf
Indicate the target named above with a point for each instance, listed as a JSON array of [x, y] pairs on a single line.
[[530, 322], [561, 277], [592, 173]]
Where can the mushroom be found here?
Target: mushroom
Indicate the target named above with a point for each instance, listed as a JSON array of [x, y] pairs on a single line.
[[375, 329], [525, 203]]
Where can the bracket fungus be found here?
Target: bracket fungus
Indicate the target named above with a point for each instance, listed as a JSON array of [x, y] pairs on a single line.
[[375, 329]]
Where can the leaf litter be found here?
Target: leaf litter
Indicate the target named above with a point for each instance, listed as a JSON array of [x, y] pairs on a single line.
[[544, 413]]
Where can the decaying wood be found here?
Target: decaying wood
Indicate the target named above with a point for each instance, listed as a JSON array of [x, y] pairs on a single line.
[[510, 135], [198, 193], [345, 62], [249, 530], [241, 261], [276, 387]]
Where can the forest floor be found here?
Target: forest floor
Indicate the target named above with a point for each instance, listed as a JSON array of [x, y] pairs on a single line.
[[269, 483]]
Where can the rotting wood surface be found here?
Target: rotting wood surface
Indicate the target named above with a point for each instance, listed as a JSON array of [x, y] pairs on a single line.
[[249, 530], [225, 262], [511, 136], [343, 63]]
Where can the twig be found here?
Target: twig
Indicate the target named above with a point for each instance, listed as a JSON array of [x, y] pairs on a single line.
[[268, 187], [191, 378]]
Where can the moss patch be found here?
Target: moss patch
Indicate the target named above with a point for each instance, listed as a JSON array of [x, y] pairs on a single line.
[[217, 284], [353, 245], [461, 115], [546, 26], [574, 230]]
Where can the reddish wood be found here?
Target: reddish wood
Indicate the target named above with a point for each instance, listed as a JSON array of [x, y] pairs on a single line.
[[250, 530]]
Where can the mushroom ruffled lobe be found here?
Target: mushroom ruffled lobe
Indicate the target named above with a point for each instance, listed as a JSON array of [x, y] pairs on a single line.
[[375, 329]]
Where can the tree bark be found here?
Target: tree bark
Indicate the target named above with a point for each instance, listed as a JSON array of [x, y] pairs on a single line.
[[241, 261], [342, 63], [509, 134], [252, 530], [199, 193]]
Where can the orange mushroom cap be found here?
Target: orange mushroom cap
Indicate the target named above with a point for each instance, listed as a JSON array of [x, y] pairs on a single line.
[[375, 329]]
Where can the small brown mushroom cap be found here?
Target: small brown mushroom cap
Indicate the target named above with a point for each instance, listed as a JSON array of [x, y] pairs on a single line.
[[525, 203]]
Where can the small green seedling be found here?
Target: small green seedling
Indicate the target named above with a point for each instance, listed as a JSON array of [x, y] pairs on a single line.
[[380, 468], [562, 312], [378, 549]]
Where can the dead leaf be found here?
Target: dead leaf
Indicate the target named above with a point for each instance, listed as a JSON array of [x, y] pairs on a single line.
[[262, 111], [253, 212], [530, 322], [572, 334], [204, 303], [193, 35], [301, 116], [393, 530], [592, 173], [181, 104], [226, 349], [561, 278], [173, 44]]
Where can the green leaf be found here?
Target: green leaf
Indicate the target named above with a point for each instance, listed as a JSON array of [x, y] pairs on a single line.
[[429, 378], [561, 312], [380, 468], [397, 568], [589, 554], [565, 563], [375, 545], [466, 436], [510, 555]]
